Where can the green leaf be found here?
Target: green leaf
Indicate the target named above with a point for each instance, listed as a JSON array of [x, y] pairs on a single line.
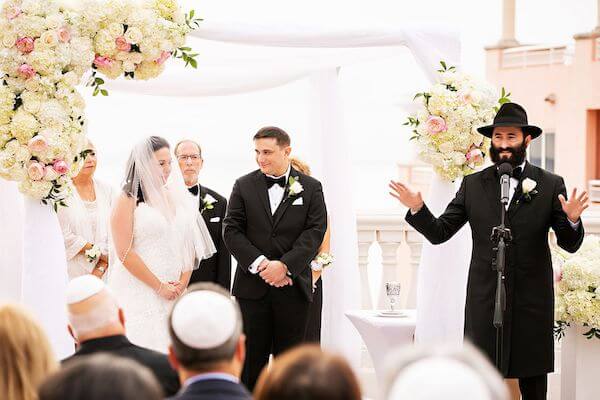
[[193, 63], [443, 65], [104, 92], [192, 13], [185, 48]]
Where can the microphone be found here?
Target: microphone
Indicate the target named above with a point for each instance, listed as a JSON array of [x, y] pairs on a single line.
[[505, 171]]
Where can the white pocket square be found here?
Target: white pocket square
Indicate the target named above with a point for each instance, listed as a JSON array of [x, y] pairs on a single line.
[[215, 219], [298, 202]]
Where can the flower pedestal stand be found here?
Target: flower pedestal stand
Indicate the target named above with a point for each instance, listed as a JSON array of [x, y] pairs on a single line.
[[580, 357]]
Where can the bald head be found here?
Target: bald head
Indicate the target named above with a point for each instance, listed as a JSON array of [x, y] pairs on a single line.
[[93, 310]]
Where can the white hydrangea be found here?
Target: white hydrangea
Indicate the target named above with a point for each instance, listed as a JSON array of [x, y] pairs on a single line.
[[577, 298]]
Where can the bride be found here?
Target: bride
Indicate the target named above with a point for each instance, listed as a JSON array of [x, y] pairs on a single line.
[[158, 238]]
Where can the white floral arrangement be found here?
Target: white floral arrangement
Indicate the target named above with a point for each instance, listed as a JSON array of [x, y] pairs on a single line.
[[93, 254], [294, 186], [135, 40], [445, 126], [45, 50], [208, 203], [577, 288], [324, 259]]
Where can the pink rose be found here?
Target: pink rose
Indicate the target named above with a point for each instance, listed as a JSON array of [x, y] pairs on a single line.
[[37, 144], [122, 44], [557, 274], [435, 124], [25, 45], [36, 171], [26, 71], [12, 12], [103, 62], [475, 156], [164, 56], [64, 34], [61, 167]]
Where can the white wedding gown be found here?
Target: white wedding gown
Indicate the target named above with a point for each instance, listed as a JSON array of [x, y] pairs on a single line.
[[157, 242]]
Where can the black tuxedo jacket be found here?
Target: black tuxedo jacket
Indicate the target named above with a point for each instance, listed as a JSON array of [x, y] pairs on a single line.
[[214, 389], [291, 235], [121, 346], [216, 269], [529, 316]]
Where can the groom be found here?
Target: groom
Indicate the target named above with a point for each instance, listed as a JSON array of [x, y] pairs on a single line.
[[537, 203], [274, 226]]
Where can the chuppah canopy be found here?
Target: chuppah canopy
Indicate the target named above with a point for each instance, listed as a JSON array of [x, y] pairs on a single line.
[[264, 56]]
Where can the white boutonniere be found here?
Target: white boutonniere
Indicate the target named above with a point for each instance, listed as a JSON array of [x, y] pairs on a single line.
[[93, 254], [528, 187], [208, 203], [294, 186]]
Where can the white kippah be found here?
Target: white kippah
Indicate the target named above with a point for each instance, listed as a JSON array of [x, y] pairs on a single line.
[[83, 287], [204, 319], [439, 378]]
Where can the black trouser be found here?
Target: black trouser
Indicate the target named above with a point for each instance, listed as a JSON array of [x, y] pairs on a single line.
[[274, 323], [534, 388], [313, 327]]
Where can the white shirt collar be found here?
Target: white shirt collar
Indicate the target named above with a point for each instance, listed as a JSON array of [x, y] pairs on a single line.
[[287, 173], [211, 375]]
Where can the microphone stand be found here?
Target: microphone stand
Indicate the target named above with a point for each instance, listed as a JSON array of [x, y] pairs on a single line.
[[501, 237]]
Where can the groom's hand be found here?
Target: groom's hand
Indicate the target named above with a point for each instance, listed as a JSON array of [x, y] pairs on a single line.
[[407, 197], [274, 272]]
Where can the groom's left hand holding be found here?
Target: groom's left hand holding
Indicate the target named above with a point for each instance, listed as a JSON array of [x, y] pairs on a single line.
[[274, 272]]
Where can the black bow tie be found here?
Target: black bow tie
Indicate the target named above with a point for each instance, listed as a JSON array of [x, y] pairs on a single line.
[[517, 172], [272, 181], [194, 190]]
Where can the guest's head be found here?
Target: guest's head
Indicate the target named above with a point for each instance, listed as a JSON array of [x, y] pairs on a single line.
[[300, 165], [26, 357], [307, 372], [101, 377], [206, 332], [272, 148], [92, 309], [89, 163], [189, 157], [442, 373]]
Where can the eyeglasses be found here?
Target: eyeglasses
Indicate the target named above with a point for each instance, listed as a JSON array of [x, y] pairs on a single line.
[[192, 157]]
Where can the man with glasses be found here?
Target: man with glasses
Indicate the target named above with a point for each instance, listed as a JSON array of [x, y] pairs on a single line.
[[212, 206]]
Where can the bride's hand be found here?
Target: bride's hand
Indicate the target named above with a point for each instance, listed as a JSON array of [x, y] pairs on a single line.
[[168, 291], [180, 286]]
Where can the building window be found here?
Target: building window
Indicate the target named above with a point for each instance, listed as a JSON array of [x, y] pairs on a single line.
[[541, 151]]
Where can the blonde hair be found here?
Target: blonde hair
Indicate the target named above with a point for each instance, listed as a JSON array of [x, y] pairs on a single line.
[[26, 357], [300, 165]]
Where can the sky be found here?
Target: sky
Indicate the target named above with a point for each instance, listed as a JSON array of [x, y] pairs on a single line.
[[374, 92]]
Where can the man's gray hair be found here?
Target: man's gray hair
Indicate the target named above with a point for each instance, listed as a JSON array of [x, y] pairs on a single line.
[[187, 140]]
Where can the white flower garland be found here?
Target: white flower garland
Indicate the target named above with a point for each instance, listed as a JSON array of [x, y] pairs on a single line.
[[445, 127], [45, 50]]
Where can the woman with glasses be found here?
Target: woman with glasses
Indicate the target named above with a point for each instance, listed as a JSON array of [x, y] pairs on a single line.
[[85, 221]]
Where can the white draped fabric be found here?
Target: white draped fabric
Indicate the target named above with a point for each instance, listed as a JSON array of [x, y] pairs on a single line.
[[266, 56], [442, 279], [44, 276]]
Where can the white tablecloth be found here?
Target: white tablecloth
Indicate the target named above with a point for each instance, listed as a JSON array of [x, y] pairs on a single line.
[[383, 334]]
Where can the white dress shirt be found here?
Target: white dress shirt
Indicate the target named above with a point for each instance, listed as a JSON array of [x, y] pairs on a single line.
[[514, 182], [275, 197]]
